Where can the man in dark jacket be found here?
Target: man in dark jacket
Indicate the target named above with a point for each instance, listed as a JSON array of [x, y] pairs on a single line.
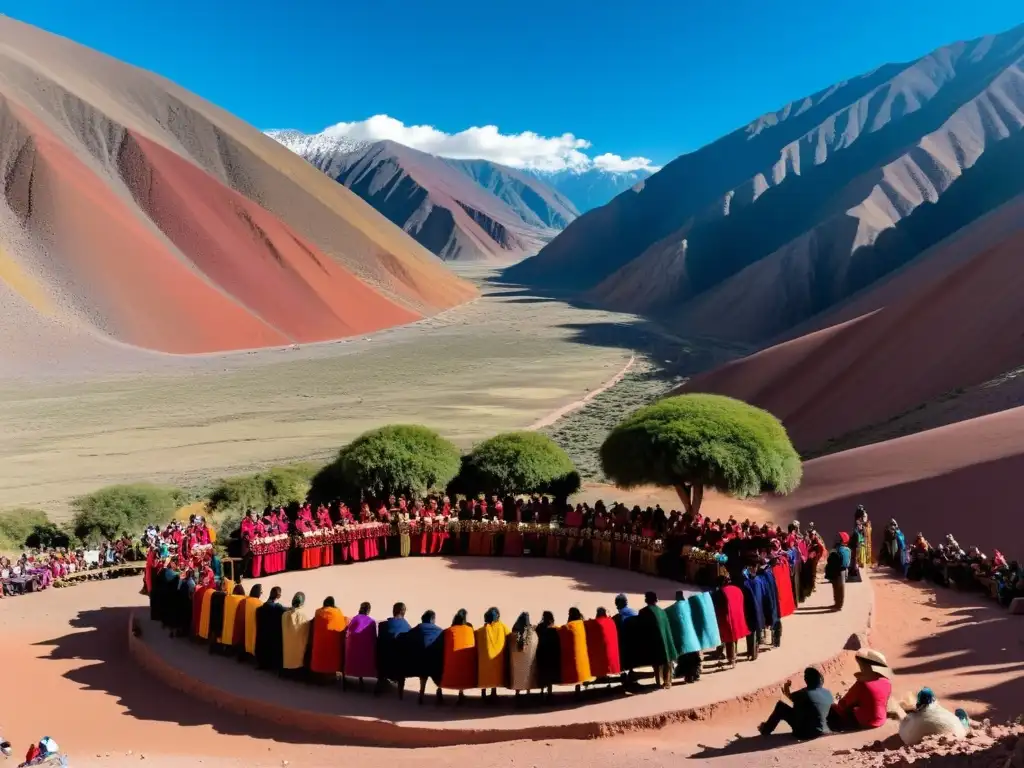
[[270, 633], [808, 714], [422, 651], [389, 653]]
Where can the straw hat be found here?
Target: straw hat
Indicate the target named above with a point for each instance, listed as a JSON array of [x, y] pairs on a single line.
[[875, 660]]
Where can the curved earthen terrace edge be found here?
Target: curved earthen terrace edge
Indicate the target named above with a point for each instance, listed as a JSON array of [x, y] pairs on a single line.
[[813, 636]]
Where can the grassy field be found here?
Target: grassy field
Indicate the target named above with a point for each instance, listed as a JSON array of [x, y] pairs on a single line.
[[502, 362], [499, 363]]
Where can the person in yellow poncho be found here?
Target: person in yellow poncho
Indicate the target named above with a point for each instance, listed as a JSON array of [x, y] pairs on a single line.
[[573, 645], [249, 607], [204, 616], [231, 605], [295, 634], [491, 639]]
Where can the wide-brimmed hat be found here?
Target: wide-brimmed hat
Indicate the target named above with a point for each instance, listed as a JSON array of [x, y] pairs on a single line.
[[876, 660]]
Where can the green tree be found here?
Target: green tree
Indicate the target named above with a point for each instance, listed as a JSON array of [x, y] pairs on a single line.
[[16, 525], [399, 458], [119, 509], [280, 486], [698, 441], [516, 463]]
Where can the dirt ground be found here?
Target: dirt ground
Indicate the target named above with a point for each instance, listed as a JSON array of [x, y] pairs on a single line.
[[65, 660], [502, 362]]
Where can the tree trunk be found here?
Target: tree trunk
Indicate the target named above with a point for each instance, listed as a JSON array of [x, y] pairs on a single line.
[[698, 497], [683, 490]]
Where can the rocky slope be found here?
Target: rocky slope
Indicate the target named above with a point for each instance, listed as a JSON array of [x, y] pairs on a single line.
[[465, 210], [802, 208], [136, 213]]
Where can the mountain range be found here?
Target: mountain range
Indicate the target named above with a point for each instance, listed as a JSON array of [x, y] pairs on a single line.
[[465, 210], [822, 222], [135, 213], [867, 240]]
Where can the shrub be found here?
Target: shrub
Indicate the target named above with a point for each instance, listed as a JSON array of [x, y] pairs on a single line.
[[16, 525], [280, 486], [691, 442], [400, 458], [516, 463], [119, 509]]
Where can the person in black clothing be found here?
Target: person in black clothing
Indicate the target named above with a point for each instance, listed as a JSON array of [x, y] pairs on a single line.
[[809, 711]]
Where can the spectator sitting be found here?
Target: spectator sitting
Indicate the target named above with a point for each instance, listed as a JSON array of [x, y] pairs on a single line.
[[866, 704], [808, 715]]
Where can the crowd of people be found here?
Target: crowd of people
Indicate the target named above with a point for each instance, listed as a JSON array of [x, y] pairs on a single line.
[[39, 569], [755, 576], [947, 564]]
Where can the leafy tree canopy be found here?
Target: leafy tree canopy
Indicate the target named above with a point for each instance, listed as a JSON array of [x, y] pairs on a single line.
[[399, 458], [517, 463], [118, 509], [16, 525], [690, 442]]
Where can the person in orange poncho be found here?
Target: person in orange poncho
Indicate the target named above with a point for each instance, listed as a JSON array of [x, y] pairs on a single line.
[[572, 638], [459, 667], [328, 640], [491, 639]]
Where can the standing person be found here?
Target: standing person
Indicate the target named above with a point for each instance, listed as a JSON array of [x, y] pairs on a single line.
[[361, 646], [684, 634], [656, 640], [862, 523], [328, 640], [836, 570], [389, 657], [626, 628], [522, 656], [269, 644], [295, 637], [549, 654], [460, 664], [423, 651], [807, 716], [602, 645], [491, 642], [575, 661], [248, 610]]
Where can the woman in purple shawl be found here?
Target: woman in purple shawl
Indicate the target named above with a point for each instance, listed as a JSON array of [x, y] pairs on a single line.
[[361, 646]]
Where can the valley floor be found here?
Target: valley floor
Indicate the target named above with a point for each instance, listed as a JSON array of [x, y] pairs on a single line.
[[502, 362]]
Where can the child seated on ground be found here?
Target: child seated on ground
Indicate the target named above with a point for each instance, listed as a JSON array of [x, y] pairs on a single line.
[[926, 717]]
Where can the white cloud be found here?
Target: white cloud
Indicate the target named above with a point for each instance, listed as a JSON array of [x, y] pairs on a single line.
[[617, 164], [517, 150]]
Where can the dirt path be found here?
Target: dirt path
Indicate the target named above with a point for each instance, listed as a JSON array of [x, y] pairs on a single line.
[[565, 410]]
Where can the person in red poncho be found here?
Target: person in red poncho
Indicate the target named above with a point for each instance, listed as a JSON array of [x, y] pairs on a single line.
[[603, 645], [732, 620]]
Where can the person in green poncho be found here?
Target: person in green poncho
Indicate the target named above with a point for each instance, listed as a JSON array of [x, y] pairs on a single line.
[[656, 642]]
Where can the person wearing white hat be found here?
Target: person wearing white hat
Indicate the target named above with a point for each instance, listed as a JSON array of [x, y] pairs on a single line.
[[866, 704]]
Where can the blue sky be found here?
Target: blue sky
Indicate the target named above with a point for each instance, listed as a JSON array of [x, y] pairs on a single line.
[[652, 79]]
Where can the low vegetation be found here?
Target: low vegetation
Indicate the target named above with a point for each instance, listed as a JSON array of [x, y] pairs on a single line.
[[118, 509], [581, 432], [397, 459], [697, 441], [516, 463]]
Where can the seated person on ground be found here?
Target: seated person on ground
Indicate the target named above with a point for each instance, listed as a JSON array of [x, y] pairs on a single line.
[[929, 718], [866, 704], [808, 714]]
